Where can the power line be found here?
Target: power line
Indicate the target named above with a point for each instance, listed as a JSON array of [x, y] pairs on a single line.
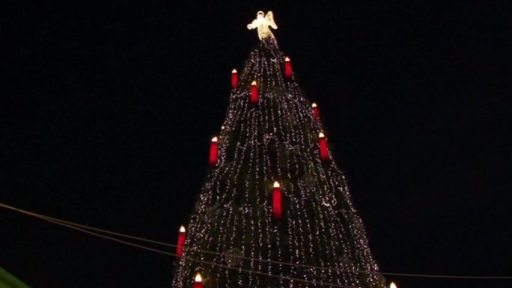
[[450, 276], [190, 258], [84, 229], [55, 220], [72, 226]]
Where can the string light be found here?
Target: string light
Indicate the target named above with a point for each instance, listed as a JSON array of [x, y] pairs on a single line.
[[279, 138]]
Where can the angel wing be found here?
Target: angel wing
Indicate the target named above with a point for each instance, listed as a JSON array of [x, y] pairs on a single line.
[[270, 19]]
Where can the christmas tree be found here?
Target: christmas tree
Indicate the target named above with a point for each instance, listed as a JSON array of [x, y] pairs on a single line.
[[274, 210]]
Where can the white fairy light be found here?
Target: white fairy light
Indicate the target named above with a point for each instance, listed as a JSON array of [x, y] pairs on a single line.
[[275, 139]]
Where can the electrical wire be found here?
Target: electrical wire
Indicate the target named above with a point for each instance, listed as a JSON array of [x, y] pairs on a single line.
[[85, 229], [53, 220], [450, 276]]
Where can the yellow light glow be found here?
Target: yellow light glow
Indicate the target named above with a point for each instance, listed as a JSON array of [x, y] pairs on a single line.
[[262, 22], [276, 184], [313, 105], [198, 278], [286, 59], [253, 83], [214, 139], [182, 228], [393, 285], [321, 135], [234, 71]]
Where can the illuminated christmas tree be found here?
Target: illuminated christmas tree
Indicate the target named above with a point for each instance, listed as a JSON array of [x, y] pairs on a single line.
[[274, 210]]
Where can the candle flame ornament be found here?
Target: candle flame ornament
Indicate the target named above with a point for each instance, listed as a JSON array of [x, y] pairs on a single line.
[[234, 78], [198, 281], [316, 113], [287, 68], [214, 151], [181, 241], [324, 156], [393, 285], [254, 92], [261, 23], [277, 207]]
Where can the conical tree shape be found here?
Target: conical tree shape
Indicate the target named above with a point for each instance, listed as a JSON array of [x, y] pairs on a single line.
[[233, 238]]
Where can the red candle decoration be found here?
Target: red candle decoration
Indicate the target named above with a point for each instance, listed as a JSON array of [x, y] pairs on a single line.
[[276, 202], [315, 112], [324, 156], [214, 150], [287, 68], [234, 78], [181, 241], [198, 281], [254, 92]]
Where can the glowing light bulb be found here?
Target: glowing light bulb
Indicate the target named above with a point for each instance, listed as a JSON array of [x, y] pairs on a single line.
[[313, 105], [286, 59], [182, 229], [214, 139], [253, 83], [234, 71], [393, 285], [276, 184], [321, 135]]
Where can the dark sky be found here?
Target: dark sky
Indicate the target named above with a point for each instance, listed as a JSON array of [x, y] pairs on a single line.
[[110, 109]]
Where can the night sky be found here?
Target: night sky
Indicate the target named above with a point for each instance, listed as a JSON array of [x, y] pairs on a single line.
[[109, 109]]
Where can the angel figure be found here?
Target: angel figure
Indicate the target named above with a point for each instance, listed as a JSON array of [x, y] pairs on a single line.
[[262, 22]]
